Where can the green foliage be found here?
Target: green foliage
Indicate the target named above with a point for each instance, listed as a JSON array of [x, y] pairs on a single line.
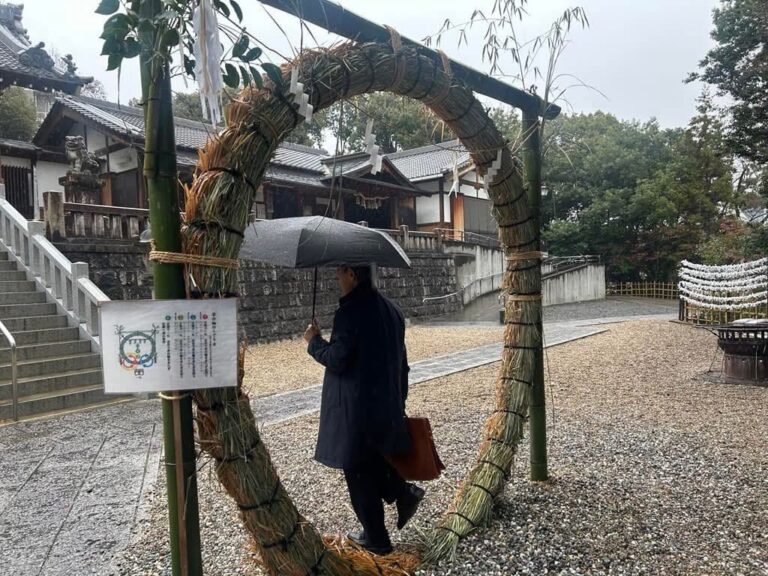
[[18, 117], [738, 67], [187, 105], [642, 197], [126, 33], [735, 241], [399, 123]]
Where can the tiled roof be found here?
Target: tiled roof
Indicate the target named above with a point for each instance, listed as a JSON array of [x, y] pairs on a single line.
[[298, 156], [11, 48], [430, 161], [296, 176], [19, 145], [346, 164], [291, 162], [129, 120]]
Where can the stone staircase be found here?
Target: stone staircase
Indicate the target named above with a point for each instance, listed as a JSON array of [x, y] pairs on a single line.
[[58, 368]]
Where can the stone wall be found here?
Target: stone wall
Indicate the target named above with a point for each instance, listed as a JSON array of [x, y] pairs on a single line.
[[275, 303], [118, 267]]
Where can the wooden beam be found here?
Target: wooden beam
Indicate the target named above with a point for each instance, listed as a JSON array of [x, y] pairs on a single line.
[[339, 20]]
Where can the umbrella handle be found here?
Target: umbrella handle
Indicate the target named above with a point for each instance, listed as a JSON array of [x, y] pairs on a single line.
[[314, 295]]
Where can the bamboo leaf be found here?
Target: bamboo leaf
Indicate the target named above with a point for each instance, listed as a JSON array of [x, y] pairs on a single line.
[[114, 61], [221, 7], [231, 76], [189, 66], [117, 26], [237, 9], [252, 54], [131, 48], [256, 77], [111, 46], [274, 74], [244, 74], [107, 7], [240, 46], [170, 38]]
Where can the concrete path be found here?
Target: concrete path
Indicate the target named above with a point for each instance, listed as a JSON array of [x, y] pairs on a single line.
[[72, 487], [287, 405]]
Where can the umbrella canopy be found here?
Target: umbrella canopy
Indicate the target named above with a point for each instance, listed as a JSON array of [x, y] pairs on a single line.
[[313, 241]]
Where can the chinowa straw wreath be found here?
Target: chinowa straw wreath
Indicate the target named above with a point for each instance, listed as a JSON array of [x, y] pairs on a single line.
[[218, 203]]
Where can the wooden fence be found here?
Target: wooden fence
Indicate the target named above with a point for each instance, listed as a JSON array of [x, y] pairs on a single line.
[[660, 290], [697, 315]]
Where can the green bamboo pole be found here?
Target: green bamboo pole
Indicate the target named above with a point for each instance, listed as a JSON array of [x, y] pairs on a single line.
[[537, 408], [161, 175]]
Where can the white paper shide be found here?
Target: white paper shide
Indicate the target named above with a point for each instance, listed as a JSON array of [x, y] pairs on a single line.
[[156, 345]]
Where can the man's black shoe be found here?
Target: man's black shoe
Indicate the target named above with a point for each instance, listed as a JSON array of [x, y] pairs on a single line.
[[407, 504], [360, 539]]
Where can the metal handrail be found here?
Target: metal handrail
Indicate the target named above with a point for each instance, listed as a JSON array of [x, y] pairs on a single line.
[[14, 378]]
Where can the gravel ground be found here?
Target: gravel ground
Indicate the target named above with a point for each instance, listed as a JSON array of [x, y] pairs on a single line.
[[654, 470], [285, 365]]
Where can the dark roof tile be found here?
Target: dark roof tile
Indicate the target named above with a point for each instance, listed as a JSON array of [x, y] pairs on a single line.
[[431, 161]]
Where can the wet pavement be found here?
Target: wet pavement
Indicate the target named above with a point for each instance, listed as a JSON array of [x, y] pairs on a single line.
[[72, 487]]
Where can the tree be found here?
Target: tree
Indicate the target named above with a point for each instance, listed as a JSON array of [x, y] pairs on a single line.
[[187, 105], [738, 67], [18, 116], [94, 89], [641, 197], [398, 123]]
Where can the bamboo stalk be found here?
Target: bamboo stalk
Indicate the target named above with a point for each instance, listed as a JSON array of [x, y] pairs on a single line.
[[160, 171], [538, 411]]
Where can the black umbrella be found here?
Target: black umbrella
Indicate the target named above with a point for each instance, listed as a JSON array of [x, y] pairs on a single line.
[[313, 241]]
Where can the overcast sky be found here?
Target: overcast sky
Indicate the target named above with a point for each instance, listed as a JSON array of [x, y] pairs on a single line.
[[636, 52]]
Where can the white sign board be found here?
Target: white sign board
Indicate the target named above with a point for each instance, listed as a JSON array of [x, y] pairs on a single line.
[[157, 345]]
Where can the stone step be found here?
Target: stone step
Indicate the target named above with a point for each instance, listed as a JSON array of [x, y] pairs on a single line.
[[53, 383], [26, 310], [35, 323], [31, 337], [8, 265], [48, 402], [18, 286], [49, 366], [12, 275], [45, 350], [22, 298]]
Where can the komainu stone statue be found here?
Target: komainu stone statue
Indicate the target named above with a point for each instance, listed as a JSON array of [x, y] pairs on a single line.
[[81, 183], [80, 159]]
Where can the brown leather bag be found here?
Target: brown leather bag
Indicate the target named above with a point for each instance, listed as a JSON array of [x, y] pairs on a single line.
[[422, 462]]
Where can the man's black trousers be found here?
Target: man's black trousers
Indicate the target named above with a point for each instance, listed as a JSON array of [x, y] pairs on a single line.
[[370, 484]]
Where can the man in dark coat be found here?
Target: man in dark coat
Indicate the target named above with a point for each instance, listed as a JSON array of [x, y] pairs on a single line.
[[362, 412]]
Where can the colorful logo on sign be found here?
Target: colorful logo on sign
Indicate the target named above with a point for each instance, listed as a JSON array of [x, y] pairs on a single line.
[[137, 349]]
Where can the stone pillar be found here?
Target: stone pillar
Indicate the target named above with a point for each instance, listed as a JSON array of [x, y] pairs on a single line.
[[406, 237], [81, 188], [55, 227]]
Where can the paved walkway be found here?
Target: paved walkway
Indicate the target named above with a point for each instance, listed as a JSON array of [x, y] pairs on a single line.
[[72, 487]]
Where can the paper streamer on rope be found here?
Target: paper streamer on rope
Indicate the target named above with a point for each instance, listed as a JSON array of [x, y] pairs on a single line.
[[725, 267], [728, 287], [300, 97], [208, 54], [372, 148], [490, 174], [455, 185]]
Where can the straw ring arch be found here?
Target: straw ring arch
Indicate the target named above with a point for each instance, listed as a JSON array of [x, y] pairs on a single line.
[[218, 201]]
